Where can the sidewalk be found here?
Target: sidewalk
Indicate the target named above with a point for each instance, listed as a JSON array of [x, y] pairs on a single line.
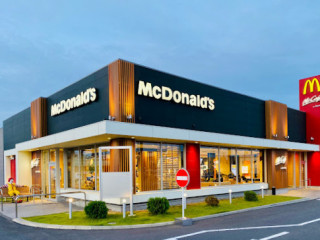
[[30, 209], [311, 193]]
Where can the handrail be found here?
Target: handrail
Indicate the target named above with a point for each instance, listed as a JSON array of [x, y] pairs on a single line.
[[34, 195], [32, 191], [306, 181], [2, 199]]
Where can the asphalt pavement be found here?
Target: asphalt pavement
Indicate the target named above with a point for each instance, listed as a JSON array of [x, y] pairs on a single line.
[[294, 221]]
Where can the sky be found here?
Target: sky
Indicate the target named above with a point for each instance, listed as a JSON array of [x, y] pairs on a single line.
[[257, 48]]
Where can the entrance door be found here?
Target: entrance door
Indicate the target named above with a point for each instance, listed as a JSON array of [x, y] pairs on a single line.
[[52, 179]]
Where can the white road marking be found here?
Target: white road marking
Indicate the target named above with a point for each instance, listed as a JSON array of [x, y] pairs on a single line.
[[244, 228], [275, 236]]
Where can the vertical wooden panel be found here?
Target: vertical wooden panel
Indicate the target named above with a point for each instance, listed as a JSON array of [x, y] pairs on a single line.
[[121, 91], [39, 118], [277, 175], [276, 120]]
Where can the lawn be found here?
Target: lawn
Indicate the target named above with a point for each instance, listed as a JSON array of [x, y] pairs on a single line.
[[143, 217]]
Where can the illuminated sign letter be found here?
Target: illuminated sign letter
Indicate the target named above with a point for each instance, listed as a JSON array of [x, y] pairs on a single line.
[[145, 89], [311, 85]]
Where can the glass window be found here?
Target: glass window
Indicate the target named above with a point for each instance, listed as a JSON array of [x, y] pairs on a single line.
[[172, 156], [73, 168], [228, 166], [245, 166], [61, 163], [209, 166], [148, 167], [257, 165], [88, 169]]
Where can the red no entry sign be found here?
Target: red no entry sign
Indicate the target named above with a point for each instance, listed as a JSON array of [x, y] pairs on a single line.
[[182, 178]]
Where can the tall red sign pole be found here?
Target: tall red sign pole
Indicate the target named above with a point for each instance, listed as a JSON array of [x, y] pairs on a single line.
[[183, 179]]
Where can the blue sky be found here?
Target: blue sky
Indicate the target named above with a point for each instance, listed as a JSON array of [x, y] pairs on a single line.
[[258, 48]]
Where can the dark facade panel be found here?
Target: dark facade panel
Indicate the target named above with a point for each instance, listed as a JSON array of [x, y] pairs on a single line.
[[296, 126], [87, 114], [233, 114], [17, 129]]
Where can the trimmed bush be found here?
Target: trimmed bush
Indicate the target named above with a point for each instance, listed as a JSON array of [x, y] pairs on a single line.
[[96, 210], [158, 205], [212, 201], [250, 196]]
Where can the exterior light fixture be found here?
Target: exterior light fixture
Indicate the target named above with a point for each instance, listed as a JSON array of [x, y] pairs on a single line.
[[312, 138], [286, 137], [129, 117], [124, 208], [132, 137], [230, 196], [70, 208]]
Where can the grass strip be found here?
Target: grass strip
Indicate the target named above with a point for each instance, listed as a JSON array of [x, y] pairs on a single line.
[[143, 216]]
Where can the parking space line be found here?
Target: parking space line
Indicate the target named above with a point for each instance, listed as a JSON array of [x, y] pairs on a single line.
[[244, 228], [275, 236]]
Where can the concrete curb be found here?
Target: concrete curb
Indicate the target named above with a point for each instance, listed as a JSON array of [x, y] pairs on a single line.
[[74, 227]]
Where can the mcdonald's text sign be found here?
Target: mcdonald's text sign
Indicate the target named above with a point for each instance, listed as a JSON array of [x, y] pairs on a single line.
[[309, 94], [309, 89]]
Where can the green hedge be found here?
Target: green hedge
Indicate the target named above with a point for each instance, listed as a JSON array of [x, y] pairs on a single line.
[[250, 196], [158, 205], [212, 201], [96, 210]]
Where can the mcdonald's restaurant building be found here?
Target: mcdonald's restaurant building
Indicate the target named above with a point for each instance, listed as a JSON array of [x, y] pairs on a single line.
[[224, 139]]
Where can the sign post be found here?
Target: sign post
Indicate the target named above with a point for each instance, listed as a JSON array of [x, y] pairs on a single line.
[[183, 179]]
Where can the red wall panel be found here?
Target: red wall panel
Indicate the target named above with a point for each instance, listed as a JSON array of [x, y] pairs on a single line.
[[314, 168], [13, 169], [309, 94], [193, 165]]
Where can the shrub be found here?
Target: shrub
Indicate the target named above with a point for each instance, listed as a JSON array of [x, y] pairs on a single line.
[[212, 201], [250, 196], [96, 210], [158, 205]]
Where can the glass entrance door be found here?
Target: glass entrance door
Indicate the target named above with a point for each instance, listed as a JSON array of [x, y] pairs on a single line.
[[52, 179]]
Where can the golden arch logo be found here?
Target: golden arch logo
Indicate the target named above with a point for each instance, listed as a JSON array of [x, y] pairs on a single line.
[[311, 85]]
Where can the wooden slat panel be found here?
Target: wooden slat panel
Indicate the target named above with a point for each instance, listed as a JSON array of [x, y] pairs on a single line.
[[276, 120], [38, 118], [121, 91]]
